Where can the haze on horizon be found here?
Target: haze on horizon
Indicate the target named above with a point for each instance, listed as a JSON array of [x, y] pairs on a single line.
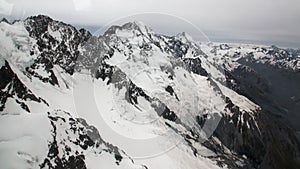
[[249, 21]]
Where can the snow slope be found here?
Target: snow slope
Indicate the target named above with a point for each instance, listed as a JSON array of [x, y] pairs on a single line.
[[127, 99]]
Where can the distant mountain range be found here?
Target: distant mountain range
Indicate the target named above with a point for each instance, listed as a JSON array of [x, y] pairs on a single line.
[[131, 98]]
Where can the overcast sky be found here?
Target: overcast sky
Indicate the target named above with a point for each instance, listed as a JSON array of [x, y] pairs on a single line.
[[261, 21]]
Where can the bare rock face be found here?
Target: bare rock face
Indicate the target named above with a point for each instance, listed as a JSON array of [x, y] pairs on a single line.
[[57, 43], [12, 87], [250, 133], [67, 151]]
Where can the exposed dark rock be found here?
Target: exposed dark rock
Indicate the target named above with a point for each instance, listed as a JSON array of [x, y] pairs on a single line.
[[12, 87], [178, 48], [194, 65], [5, 20], [260, 137], [104, 71], [254, 139], [61, 155], [170, 90], [168, 114], [62, 51]]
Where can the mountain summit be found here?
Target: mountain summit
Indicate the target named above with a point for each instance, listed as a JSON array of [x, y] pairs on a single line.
[[135, 99]]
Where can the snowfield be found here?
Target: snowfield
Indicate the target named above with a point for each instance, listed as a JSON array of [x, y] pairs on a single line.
[[127, 99]]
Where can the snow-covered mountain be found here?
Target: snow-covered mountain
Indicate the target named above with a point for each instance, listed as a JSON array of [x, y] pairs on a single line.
[[269, 76], [134, 99]]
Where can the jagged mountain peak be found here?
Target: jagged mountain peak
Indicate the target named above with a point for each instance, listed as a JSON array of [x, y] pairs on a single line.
[[4, 20], [135, 27], [37, 25], [138, 25], [184, 37], [40, 17], [137, 76]]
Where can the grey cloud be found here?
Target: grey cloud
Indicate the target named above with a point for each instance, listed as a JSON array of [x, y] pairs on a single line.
[[275, 20]]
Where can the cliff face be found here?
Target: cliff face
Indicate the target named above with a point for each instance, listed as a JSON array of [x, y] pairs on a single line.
[[214, 108]]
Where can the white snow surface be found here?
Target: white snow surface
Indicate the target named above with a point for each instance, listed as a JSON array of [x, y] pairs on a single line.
[[24, 140], [138, 130], [16, 44]]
